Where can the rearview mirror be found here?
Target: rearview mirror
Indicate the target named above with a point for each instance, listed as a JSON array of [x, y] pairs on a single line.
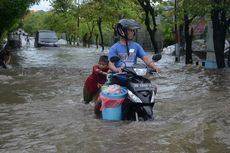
[[156, 57]]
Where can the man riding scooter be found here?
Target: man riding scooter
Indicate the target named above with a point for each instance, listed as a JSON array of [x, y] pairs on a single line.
[[124, 53], [126, 49]]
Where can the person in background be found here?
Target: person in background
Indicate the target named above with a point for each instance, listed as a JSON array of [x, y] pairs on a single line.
[[5, 57], [126, 49], [95, 80], [27, 39]]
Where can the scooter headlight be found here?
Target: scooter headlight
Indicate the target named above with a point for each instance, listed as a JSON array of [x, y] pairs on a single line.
[[134, 97], [140, 71]]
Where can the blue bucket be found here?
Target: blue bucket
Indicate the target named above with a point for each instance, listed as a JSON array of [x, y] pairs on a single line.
[[113, 113]]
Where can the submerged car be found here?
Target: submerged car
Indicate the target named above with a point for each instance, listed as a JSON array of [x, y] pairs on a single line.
[[46, 38]]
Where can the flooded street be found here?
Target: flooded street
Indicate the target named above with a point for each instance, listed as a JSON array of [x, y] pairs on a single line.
[[41, 108]]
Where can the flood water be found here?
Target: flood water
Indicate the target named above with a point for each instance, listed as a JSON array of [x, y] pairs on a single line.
[[41, 108]]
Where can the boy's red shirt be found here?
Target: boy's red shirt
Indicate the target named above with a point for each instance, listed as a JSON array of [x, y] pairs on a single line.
[[95, 78]]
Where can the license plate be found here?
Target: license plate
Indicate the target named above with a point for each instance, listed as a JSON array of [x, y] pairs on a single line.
[[144, 86]]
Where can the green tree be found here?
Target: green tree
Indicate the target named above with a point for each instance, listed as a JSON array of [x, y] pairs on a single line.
[[35, 21], [11, 11], [218, 10], [62, 6], [150, 21], [109, 12], [64, 19], [166, 13], [189, 11]]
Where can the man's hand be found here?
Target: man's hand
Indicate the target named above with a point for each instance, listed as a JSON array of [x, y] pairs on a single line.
[[119, 70], [157, 69], [151, 64], [113, 68]]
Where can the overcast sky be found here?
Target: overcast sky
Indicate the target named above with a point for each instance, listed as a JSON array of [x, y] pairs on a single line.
[[43, 5]]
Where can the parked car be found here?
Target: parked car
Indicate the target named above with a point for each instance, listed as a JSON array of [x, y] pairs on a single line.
[[46, 38]]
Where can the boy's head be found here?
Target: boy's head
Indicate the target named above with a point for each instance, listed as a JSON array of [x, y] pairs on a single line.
[[103, 62]]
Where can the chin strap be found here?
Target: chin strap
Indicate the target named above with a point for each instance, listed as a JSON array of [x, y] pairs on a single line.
[[127, 46]]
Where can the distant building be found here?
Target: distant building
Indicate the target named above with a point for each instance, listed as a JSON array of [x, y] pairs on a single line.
[[14, 38]]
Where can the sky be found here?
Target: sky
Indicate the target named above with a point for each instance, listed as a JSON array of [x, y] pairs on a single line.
[[43, 5]]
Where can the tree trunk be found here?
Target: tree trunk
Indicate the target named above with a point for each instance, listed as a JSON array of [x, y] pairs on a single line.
[[219, 34], [84, 39], [1, 37], [99, 27], [145, 4], [74, 40], [151, 33], [229, 57], [96, 38], [188, 40], [68, 39], [90, 35]]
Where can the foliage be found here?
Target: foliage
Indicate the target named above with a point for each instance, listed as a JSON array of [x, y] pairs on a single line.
[[62, 6], [82, 19], [110, 11], [34, 21], [11, 11]]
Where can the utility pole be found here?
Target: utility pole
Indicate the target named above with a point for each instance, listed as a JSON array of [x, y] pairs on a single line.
[[177, 35]]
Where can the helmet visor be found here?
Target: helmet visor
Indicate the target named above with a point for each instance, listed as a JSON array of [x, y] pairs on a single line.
[[134, 27]]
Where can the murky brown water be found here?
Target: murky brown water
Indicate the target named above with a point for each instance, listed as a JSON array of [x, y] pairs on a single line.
[[41, 108]]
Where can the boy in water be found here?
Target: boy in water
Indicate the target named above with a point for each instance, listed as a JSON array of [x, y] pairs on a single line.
[[95, 80]]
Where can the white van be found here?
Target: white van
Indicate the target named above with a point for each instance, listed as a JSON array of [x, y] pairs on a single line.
[[46, 38]]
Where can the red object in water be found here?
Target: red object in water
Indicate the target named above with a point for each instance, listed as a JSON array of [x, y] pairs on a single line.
[[110, 102]]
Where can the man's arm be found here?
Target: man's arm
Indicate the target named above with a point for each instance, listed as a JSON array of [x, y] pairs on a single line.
[[150, 63], [113, 68]]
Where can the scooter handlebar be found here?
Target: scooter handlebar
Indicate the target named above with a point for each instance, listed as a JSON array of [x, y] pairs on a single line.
[[151, 71], [114, 74]]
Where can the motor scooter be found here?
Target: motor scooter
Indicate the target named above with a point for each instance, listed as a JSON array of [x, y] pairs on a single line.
[[139, 102]]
